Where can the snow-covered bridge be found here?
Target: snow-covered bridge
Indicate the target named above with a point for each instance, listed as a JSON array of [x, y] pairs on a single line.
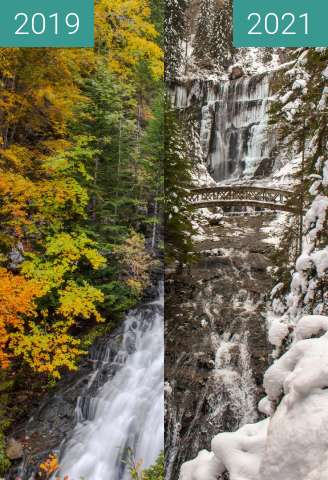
[[243, 196]]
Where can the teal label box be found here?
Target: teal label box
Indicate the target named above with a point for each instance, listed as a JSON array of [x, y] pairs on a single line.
[[47, 23], [280, 23]]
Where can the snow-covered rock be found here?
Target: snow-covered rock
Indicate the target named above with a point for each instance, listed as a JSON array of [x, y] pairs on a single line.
[[304, 367], [205, 466], [311, 325], [297, 440], [293, 443], [278, 331], [241, 452]]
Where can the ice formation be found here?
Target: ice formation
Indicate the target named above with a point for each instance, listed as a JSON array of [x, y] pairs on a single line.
[[234, 134]]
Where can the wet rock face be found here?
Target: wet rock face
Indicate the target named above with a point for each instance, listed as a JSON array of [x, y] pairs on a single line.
[[236, 72], [14, 450], [216, 347]]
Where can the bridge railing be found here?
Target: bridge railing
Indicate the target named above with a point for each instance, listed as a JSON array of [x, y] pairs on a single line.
[[243, 195]]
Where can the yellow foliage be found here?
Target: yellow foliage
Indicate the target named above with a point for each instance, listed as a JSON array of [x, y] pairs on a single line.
[[57, 200], [27, 205], [125, 27], [39, 90], [47, 346], [79, 301], [46, 349], [63, 254], [15, 193], [17, 158]]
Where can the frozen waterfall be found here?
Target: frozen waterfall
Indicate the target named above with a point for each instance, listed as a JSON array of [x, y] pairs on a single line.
[[234, 134], [128, 411]]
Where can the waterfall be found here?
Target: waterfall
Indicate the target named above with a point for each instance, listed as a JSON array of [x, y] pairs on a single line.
[[237, 118], [127, 413], [234, 134]]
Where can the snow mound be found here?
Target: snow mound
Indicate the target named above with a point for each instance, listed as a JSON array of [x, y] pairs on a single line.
[[311, 325], [265, 407], [302, 369], [241, 452], [278, 331], [296, 446], [205, 466]]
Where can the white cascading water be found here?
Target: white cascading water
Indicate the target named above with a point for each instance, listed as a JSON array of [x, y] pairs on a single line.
[[128, 411], [235, 385], [234, 124], [227, 398]]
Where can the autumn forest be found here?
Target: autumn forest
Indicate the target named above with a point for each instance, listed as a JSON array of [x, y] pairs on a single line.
[[80, 196]]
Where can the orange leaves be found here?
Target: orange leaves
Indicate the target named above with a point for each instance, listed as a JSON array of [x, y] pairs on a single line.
[[43, 340], [49, 467], [46, 348], [17, 300]]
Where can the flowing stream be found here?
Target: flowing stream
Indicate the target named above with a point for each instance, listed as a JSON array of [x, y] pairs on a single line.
[[127, 414]]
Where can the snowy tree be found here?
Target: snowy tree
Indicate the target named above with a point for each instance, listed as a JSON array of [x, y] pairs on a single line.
[[301, 116], [174, 33], [213, 38], [204, 33], [221, 42]]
